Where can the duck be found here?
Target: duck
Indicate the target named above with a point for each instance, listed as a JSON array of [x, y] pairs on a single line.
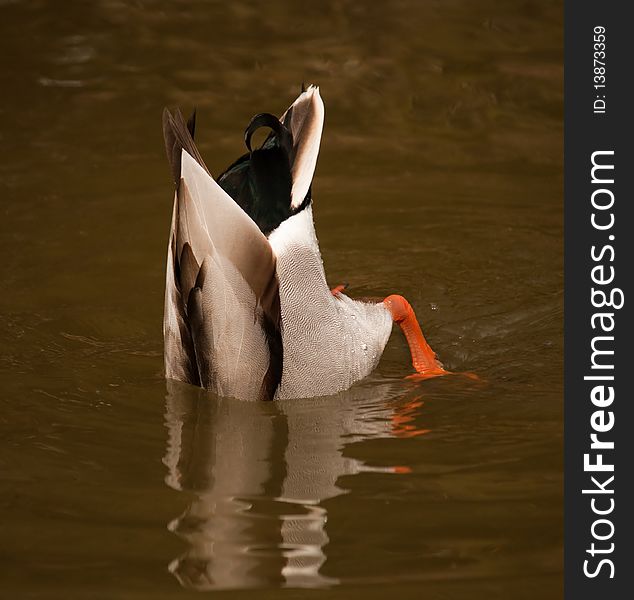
[[248, 311]]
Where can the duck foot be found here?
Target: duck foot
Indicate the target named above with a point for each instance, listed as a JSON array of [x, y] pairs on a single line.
[[423, 376], [424, 359], [338, 289]]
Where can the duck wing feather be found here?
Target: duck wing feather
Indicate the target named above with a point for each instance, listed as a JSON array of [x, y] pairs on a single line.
[[222, 324]]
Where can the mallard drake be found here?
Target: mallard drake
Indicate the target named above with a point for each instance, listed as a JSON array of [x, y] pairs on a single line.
[[248, 311]]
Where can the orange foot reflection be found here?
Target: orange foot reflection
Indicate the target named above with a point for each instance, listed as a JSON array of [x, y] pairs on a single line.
[[403, 418]]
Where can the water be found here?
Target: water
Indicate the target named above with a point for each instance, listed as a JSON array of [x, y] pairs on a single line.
[[439, 178]]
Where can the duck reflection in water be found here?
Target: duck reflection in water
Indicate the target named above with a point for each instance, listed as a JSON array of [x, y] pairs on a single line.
[[258, 473]]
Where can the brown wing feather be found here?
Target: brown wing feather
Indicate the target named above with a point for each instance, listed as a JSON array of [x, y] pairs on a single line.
[[201, 339], [218, 253], [180, 356], [189, 269]]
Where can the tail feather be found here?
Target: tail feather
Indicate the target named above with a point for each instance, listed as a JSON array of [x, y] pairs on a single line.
[[179, 136]]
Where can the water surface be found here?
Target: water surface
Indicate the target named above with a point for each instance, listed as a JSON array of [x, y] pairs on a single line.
[[439, 178]]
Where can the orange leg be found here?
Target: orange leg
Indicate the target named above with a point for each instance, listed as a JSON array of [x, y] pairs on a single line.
[[338, 289], [424, 359]]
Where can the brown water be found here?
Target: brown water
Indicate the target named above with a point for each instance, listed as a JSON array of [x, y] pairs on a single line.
[[439, 178]]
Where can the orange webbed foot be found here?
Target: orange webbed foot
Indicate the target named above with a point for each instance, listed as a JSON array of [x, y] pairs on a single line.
[[423, 376], [429, 375]]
